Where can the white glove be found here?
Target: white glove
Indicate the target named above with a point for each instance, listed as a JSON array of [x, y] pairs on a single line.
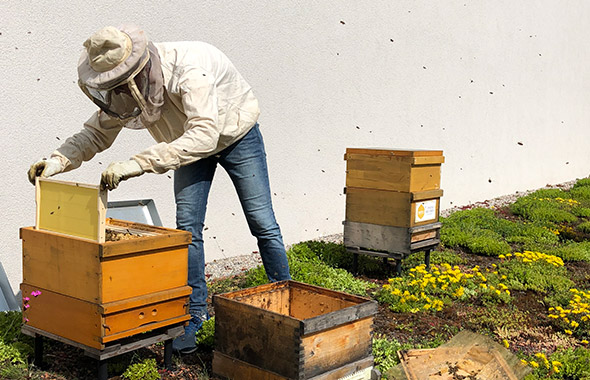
[[119, 171], [45, 168]]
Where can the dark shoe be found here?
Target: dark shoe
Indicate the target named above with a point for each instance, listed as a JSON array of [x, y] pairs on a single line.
[[186, 344]]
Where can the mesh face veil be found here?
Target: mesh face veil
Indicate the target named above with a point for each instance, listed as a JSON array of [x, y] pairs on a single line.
[[114, 71], [126, 99]]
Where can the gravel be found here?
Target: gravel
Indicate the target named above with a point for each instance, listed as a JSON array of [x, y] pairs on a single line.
[[234, 265]]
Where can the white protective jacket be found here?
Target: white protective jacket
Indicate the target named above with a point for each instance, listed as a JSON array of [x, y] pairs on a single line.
[[207, 107]]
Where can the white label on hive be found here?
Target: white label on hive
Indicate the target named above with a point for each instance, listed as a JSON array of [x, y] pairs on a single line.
[[425, 210]]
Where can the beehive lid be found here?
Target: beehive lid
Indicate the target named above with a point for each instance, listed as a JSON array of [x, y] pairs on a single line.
[[394, 152]]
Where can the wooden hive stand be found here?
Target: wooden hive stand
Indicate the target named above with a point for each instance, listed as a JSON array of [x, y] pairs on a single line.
[[105, 297], [392, 203]]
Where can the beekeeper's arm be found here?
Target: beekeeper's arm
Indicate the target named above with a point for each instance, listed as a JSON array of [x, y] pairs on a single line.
[[200, 138], [98, 134], [201, 128]]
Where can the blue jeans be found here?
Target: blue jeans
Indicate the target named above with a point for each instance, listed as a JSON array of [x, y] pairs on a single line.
[[245, 162]]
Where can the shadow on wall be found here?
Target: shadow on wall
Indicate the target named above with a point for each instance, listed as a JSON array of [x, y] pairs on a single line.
[[7, 298]]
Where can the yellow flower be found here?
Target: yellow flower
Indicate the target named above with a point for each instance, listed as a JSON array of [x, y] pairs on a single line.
[[506, 344], [584, 341], [534, 364], [568, 332]]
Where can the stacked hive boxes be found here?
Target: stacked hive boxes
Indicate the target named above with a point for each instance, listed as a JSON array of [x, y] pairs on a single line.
[[392, 199], [89, 292]]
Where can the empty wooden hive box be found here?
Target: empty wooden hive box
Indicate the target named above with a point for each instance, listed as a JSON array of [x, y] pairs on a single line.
[[290, 330], [392, 198], [83, 289]]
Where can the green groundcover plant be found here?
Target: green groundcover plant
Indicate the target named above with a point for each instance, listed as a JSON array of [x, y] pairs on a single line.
[[307, 266], [523, 250]]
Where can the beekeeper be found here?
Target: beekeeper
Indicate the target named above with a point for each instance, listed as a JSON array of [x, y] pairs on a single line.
[[201, 112]]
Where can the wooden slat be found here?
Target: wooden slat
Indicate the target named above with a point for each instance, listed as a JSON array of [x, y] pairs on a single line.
[[141, 329], [386, 255], [64, 316], [235, 369], [141, 316], [430, 160], [339, 317], [139, 274], [425, 227], [61, 263], [424, 195], [161, 237], [347, 369], [113, 307], [394, 152], [252, 291], [327, 292], [71, 208], [429, 243], [135, 342], [331, 349], [258, 337], [423, 236]]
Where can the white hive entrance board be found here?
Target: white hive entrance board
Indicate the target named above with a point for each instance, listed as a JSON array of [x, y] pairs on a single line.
[[71, 208]]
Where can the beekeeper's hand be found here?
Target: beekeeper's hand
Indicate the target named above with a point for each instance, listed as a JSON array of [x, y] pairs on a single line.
[[119, 171], [45, 168]]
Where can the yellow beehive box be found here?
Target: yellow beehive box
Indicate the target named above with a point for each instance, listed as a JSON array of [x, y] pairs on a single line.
[[393, 170], [95, 290], [392, 208], [93, 293]]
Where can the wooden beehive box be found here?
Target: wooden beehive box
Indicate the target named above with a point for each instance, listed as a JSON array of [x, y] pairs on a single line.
[[392, 198], [291, 330], [92, 292]]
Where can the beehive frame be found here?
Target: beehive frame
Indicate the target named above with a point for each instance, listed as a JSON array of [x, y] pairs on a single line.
[[71, 208]]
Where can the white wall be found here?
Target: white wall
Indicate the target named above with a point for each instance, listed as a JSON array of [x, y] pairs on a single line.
[[473, 78]]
